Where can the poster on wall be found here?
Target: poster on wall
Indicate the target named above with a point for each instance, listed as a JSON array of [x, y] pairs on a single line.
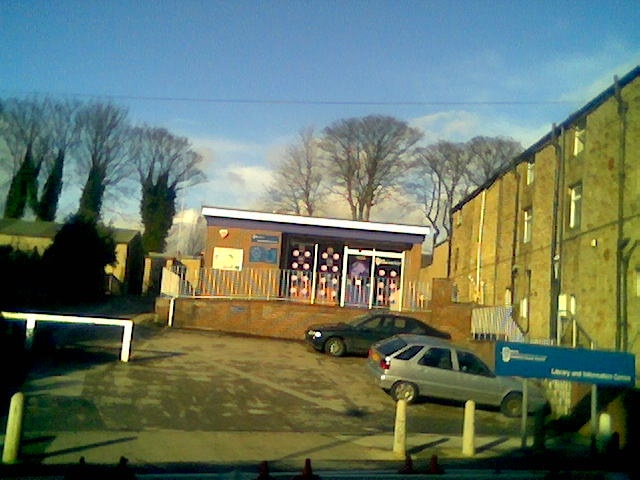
[[259, 254], [225, 258]]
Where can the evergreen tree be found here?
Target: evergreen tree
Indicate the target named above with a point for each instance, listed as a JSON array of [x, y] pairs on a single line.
[[157, 209], [92, 194], [48, 204], [23, 185], [165, 163], [76, 259]]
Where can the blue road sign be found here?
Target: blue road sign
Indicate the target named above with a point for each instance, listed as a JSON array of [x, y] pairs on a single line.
[[574, 364]]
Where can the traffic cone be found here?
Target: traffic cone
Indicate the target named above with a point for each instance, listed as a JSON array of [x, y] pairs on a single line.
[[408, 466], [263, 471], [123, 471], [307, 473], [433, 467]]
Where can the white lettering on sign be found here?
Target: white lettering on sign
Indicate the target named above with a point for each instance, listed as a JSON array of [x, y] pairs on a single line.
[[509, 354]]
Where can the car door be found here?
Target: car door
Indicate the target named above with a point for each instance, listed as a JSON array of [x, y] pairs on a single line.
[[476, 381], [411, 325], [368, 332], [433, 372]]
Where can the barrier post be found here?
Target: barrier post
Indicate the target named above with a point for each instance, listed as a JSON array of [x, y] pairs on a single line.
[[468, 429], [127, 334], [14, 429], [400, 430]]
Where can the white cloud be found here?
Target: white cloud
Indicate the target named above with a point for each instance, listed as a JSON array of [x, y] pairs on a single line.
[[461, 126], [233, 186], [602, 80]]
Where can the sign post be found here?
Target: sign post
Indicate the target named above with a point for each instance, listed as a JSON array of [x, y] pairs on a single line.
[[595, 367]]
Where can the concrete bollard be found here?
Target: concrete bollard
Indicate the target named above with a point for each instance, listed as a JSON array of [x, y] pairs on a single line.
[[400, 430], [468, 429], [14, 429], [604, 431]]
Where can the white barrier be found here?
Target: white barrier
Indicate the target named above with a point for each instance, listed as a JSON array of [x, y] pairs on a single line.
[[32, 318]]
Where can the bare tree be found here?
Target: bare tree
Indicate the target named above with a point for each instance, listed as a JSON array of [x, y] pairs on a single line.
[[165, 164], [103, 161], [445, 172], [297, 180], [366, 158], [437, 182], [487, 155]]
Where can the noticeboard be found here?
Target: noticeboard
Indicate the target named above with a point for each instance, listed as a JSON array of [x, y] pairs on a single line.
[[560, 363]]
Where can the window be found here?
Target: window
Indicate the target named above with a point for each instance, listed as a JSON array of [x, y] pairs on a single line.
[[579, 138], [530, 172], [371, 323], [508, 297], [438, 358], [524, 308], [573, 302], [527, 224], [575, 205], [409, 353], [469, 363]]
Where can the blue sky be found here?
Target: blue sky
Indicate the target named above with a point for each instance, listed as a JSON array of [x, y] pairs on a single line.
[[241, 78]]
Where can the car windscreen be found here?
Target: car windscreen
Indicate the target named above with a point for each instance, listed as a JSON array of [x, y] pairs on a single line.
[[356, 321], [391, 345]]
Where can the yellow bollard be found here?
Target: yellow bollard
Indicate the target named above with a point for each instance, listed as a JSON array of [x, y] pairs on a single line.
[[400, 430], [468, 429], [14, 429]]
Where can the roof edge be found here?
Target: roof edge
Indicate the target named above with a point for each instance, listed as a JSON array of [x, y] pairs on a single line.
[[590, 106], [314, 221]]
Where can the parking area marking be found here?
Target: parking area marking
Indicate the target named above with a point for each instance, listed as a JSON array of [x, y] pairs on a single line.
[[336, 405]]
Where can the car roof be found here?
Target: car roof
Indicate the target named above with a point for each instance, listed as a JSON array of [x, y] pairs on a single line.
[[411, 338]]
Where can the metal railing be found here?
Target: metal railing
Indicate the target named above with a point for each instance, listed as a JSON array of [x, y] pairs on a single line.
[[495, 323], [293, 285], [574, 334]]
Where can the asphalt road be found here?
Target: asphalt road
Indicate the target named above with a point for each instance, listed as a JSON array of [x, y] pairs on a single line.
[[203, 381]]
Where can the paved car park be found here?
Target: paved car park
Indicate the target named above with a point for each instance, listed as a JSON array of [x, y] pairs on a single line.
[[194, 380], [196, 384]]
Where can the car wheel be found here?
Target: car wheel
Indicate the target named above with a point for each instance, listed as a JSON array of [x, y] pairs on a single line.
[[335, 346], [512, 405], [404, 391]]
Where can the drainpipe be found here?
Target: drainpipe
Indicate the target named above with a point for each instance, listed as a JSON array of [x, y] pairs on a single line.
[[514, 240], [555, 330], [626, 257], [479, 251], [621, 321]]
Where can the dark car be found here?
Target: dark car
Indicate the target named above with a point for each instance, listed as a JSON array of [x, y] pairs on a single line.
[[358, 334]]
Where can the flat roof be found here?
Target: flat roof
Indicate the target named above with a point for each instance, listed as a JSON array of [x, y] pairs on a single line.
[[315, 221]]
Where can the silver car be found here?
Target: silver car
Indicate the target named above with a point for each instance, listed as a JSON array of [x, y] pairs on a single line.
[[409, 366]]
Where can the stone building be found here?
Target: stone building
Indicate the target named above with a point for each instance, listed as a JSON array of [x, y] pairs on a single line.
[[556, 232]]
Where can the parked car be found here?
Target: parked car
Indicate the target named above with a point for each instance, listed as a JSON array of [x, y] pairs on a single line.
[[410, 366], [358, 334]]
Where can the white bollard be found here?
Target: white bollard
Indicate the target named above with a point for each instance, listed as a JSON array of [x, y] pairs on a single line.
[[14, 429], [468, 429], [400, 430]]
